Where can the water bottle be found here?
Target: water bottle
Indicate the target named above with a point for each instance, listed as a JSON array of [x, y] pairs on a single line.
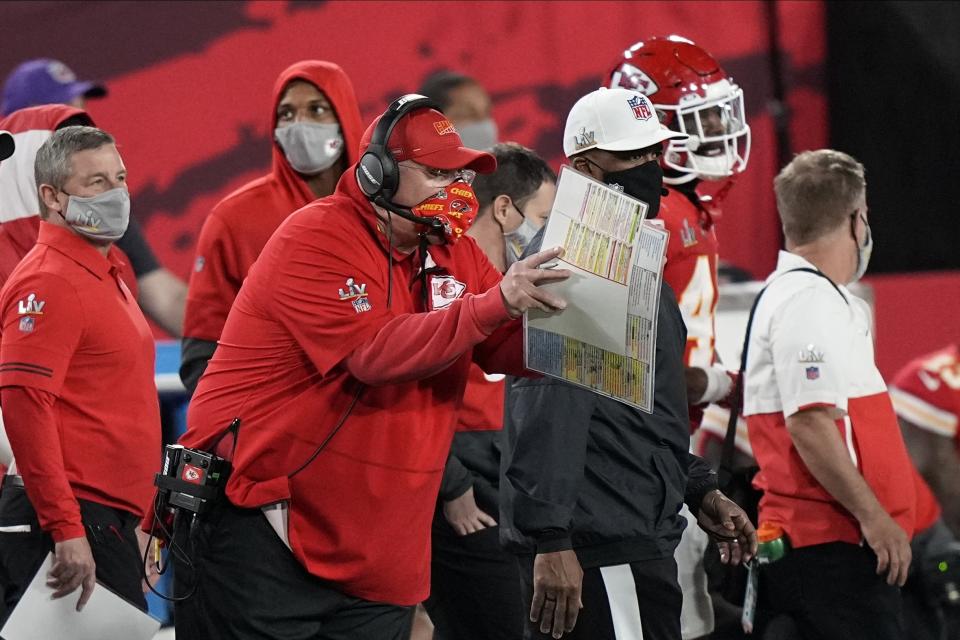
[[772, 546], [773, 543]]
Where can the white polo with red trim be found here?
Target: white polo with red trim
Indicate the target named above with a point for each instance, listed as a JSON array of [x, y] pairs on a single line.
[[812, 345]]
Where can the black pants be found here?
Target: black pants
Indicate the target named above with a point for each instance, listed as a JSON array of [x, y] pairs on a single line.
[[831, 592], [474, 587], [249, 585], [110, 532], [635, 601]]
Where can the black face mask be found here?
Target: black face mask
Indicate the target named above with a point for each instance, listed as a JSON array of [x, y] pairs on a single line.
[[644, 182]]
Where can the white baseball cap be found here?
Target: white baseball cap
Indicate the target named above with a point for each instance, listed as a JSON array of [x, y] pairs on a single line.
[[7, 145], [614, 120]]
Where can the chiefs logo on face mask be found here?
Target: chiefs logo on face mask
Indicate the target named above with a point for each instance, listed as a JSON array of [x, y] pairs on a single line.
[[455, 206]]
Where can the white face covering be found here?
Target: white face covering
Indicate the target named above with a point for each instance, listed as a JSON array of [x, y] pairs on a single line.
[[863, 254], [481, 135], [310, 147], [103, 218], [516, 241]]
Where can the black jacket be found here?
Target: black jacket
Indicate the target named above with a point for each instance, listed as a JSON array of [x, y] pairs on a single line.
[[474, 461], [583, 471]]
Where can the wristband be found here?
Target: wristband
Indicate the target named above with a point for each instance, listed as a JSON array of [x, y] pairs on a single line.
[[718, 385]]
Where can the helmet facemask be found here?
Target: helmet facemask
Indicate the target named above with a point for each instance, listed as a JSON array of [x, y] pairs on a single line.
[[719, 142]]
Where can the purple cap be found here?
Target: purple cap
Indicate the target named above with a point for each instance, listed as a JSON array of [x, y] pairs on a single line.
[[45, 81]]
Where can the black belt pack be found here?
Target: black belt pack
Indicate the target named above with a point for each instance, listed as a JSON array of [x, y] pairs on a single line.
[[190, 479]]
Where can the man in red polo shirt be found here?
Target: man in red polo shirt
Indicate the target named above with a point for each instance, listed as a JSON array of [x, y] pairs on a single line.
[[76, 384], [833, 466], [345, 358]]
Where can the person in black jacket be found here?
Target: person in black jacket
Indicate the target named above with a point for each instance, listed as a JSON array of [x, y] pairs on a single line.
[[587, 481], [467, 563]]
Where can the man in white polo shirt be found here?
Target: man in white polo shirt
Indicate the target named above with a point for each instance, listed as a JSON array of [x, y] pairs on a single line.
[[833, 466]]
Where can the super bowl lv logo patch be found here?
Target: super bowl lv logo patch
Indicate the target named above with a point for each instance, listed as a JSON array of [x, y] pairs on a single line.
[[356, 293], [32, 306], [585, 139]]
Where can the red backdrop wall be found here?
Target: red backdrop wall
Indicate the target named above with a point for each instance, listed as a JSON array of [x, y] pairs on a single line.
[[190, 88], [190, 82]]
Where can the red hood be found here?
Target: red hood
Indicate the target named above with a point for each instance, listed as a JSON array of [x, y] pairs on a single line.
[[45, 117], [31, 127], [334, 83], [19, 202]]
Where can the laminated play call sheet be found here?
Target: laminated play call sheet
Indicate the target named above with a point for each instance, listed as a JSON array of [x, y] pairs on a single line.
[[605, 339]]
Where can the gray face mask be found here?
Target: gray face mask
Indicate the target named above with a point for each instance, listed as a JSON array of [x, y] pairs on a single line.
[[478, 135], [310, 147], [102, 218], [517, 240], [863, 253]]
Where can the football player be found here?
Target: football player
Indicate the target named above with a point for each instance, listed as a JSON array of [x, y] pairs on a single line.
[[926, 396], [694, 95]]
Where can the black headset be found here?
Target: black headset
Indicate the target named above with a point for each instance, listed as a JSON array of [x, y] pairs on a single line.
[[378, 173]]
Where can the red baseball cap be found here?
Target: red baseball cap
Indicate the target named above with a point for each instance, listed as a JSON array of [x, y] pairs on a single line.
[[428, 137]]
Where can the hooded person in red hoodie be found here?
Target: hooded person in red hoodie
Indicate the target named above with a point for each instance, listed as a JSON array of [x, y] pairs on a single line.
[[19, 202], [316, 133]]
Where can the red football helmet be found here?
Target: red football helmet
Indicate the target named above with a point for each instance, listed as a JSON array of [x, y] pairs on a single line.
[[693, 95]]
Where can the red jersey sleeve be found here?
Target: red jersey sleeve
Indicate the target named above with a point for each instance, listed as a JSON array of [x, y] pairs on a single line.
[[31, 425], [41, 328], [214, 282], [927, 393]]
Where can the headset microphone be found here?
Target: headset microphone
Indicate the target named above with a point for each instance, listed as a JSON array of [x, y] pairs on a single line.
[[435, 224]]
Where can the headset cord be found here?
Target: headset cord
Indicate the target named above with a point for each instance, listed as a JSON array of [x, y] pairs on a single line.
[[389, 258], [333, 432], [175, 550], [423, 271]]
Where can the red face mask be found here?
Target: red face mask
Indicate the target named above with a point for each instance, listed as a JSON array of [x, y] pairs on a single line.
[[455, 206]]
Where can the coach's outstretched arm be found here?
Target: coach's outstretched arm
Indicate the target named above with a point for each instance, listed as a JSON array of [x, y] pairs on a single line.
[[420, 345]]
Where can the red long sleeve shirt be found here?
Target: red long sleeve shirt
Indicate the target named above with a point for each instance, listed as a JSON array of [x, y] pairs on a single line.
[[310, 330], [76, 371], [33, 421]]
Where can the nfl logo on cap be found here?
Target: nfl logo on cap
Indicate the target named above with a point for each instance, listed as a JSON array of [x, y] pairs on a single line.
[[813, 373], [641, 108]]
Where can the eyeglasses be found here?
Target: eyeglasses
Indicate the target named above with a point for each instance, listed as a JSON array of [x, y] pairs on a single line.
[[442, 177]]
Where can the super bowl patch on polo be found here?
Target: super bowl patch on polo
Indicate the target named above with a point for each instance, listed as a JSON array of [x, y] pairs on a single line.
[[356, 294]]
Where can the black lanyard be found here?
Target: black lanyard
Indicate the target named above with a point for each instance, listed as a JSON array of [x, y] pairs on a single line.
[[725, 473]]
